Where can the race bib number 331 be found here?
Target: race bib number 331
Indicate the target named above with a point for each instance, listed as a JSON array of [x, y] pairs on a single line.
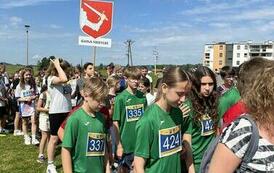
[[96, 144], [170, 141], [134, 112]]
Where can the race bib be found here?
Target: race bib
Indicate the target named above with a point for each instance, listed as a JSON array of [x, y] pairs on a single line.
[[170, 141], [207, 126], [96, 144], [27, 93], [134, 112]]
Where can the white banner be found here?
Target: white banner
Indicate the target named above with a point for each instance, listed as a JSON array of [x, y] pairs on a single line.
[[99, 42]]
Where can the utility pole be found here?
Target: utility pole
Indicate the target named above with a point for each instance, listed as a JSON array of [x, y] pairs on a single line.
[[27, 31], [156, 57], [129, 52]]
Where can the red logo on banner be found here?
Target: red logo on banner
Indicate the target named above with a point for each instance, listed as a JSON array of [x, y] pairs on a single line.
[[96, 17]]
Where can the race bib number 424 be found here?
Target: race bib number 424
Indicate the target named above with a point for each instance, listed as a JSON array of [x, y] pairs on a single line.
[[96, 144], [170, 141], [134, 112]]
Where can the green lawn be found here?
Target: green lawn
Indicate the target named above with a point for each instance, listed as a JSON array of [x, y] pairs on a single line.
[[16, 157]]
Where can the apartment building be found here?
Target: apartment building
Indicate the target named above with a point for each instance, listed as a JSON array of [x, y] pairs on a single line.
[[221, 54], [218, 55], [264, 50], [240, 53], [208, 56]]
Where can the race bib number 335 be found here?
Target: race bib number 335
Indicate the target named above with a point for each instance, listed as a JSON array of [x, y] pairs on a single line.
[[96, 144], [170, 141], [134, 112]]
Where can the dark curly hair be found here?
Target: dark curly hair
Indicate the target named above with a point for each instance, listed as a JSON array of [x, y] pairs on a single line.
[[204, 105]]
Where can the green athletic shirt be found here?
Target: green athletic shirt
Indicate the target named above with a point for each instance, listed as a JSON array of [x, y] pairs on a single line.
[[202, 133], [159, 139], [128, 108], [228, 99], [85, 137]]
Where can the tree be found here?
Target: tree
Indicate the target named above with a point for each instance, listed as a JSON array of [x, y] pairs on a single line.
[[101, 66], [44, 63]]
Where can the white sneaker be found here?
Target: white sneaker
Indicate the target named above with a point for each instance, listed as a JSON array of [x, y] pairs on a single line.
[[27, 140], [51, 168], [34, 141], [18, 133]]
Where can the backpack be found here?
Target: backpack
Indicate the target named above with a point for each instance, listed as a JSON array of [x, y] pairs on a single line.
[[251, 149]]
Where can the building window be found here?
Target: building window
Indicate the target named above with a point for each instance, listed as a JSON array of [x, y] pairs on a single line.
[[221, 55], [220, 62], [238, 62], [246, 47], [238, 47], [221, 47], [245, 55], [238, 55]]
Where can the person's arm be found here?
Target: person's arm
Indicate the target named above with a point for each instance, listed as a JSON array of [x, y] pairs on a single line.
[[40, 107], [118, 108], [139, 164], [118, 143], [107, 162], [189, 157], [221, 158], [60, 133], [62, 77], [66, 160]]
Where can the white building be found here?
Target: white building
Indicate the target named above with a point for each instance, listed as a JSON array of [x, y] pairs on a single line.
[[208, 56], [236, 53], [264, 50], [240, 53]]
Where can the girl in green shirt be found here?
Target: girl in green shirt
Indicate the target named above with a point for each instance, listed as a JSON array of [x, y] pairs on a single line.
[[202, 123], [159, 131]]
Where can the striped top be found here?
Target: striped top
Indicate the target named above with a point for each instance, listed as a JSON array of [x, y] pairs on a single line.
[[237, 138]]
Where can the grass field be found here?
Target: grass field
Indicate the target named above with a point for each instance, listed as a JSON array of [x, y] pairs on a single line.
[[19, 158]]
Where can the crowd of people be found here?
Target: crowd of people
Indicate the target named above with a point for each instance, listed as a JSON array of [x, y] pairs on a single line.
[[123, 123]]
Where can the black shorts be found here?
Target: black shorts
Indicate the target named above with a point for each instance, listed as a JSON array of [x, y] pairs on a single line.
[[127, 160], [3, 111], [55, 121]]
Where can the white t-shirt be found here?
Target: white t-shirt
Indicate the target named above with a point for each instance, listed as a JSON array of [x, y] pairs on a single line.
[[149, 78], [60, 95], [73, 84], [26, 108], [150, 99], [45, 97]]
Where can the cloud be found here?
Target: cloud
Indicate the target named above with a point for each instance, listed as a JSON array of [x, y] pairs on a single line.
[[37, 56], [15, 21], [219, 25], [215, 6], [53, 26], [8, 4], [267, 27]]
